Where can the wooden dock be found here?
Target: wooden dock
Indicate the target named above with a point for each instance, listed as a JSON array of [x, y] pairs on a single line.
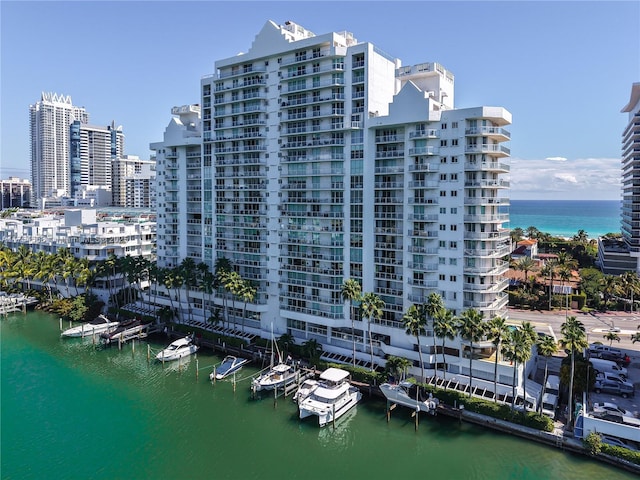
[[15, 302]]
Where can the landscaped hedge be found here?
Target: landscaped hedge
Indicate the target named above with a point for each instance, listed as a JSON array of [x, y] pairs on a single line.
[[624, 453], [358, 374], [491, 409]]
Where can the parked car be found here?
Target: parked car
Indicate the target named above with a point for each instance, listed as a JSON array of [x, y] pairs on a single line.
[[600, 365], [617, 442], [624, 389], [597, 349], [614, 377], [623, 362], [611, 407]]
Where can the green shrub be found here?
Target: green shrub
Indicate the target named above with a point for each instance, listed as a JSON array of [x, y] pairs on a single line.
[[624, 453]]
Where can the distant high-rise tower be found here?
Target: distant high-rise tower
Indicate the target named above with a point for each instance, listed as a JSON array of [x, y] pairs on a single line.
[[93, 150], [630, 171], [49, 120]]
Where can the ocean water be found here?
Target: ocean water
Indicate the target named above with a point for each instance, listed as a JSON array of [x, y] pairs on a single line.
[[565, 217], [71, 411]]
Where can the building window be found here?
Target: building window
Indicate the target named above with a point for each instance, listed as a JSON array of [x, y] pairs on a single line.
[[443, 126], [453, 244], [454, 142], [454, 228], [442, 277], [452, 278], [454, 124], [454, 210], [443, 143], [443, 228], [442, 244], [453, 261], [454, 193], [443, 210], [443, 193]]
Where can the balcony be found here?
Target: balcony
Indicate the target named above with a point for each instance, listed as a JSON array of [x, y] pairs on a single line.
[[500, 201], [487, 218], [424, 151], [491, 149], [496, 133], [487, 184]]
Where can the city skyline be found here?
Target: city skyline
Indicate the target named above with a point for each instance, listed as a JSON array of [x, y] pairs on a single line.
[[565, 89]]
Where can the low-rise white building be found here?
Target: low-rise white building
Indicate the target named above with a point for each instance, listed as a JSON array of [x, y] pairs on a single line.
[[80, 232]]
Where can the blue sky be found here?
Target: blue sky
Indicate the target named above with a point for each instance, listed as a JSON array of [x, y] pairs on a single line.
[[563, 69]]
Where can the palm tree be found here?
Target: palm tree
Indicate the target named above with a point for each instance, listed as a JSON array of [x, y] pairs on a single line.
[[526, 265], [471, 329], [188, 271], [371, 308], [248, 293], [444, 327], [312, 350], [581, 237], [222, 268], [611, 336], [564, 273], [433, 307], [516, 235], [496, 331], [574, 338], [530, 331], [532, 232], [610, 288], [398, 366], [630, 285], [414, 322], [517, 349], [547, 347], [549, 270], [352, 292]]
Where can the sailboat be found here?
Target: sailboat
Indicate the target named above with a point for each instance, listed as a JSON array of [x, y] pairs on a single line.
[[278, 375]]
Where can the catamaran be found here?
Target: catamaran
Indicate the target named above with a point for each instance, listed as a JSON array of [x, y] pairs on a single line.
[[332, 398]]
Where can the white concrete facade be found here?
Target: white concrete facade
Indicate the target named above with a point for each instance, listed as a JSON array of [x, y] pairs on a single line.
[[325, 159], [49, 121], [630, 177]]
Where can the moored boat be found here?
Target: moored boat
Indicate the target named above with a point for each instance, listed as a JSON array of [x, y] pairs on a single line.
[[332, 398], [229, 366], [304, 390], [98, 325], [407, 395], [121, 331], [177, 349], [278, 376]]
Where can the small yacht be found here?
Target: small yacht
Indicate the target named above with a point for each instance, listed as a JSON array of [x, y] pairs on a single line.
[[182, 347], [124, 329], [332, 398], [229, 366], [278, 376], [406, 394], [100, 324], [304, 390]]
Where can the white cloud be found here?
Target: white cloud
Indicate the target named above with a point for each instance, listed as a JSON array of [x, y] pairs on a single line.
[[563, 179]]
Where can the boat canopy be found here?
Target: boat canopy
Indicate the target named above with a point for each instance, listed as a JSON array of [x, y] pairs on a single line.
[[334, 375]]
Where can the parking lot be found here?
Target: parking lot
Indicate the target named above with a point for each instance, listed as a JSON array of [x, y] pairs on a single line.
[[632, 403]]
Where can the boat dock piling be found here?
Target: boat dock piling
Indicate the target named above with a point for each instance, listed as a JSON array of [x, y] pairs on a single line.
[[16, 302]]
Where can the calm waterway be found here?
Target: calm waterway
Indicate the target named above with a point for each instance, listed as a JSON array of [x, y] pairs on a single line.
[[70, 411]]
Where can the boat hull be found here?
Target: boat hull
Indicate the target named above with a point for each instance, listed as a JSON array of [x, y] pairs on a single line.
[[325, 413], [399, 395], [170, 357]]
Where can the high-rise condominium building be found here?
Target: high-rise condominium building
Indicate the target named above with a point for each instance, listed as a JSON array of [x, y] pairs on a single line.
[[133, 182], [324, 159], [50, 119], [93, 149], [15, 192], [631, 176]]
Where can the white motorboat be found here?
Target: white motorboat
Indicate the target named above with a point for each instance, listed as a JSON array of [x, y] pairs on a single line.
[[406, 394], [332, 398], [229, 366], [278, 376], [100, 324], [304, 390], [182, 347]]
